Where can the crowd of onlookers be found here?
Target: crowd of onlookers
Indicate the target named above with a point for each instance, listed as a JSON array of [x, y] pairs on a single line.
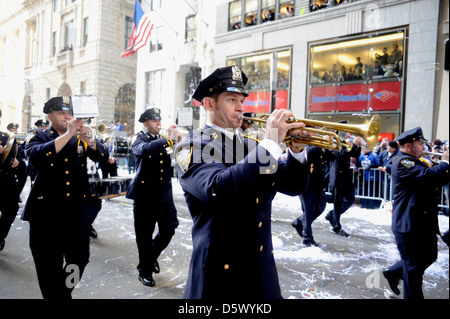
[[381, 66]]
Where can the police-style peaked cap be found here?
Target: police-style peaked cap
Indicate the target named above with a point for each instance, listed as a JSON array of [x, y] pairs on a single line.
[[226, 79], [150, 114], [59, 103], [410, 136]]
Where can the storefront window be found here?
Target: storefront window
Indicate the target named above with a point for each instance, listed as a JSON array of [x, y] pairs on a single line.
[[235, 10], [268, 80], [357, 76]]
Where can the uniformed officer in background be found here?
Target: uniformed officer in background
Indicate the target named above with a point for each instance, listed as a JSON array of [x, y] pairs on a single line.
[[341, 182], [313, 200], [415, 213], [21, 170], [9, 204], [60, 202], [151, 190], [229, 182], [42, 124]]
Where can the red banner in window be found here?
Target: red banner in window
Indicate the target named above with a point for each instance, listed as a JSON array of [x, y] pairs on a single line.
[[259, 102], [380, 96]]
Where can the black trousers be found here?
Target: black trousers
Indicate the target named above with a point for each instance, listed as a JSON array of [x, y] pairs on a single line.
[[61, 253], [8, 209], [417, 252], [343, 199], [146, 215], [313, 204]]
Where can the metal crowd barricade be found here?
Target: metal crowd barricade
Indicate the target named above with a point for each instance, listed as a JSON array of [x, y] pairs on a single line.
[[373, 184]]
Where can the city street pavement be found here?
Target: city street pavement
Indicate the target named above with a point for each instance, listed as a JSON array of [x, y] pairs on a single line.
[[342, 268]]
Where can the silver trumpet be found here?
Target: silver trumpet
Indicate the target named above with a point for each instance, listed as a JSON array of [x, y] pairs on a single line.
[[433, 156]]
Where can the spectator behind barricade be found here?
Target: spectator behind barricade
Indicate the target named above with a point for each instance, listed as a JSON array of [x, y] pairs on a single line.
[[387, 156], [368, 160]]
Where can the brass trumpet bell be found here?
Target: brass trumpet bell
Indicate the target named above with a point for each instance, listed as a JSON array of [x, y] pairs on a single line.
[[369, 132]]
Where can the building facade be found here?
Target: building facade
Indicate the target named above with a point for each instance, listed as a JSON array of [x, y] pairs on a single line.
[[66, 47], [335, 60]]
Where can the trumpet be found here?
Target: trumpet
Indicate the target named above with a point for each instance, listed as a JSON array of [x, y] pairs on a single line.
[[432, 155], [369, 132]]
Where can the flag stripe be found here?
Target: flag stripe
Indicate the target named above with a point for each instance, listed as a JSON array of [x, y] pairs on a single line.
[[140, 31]]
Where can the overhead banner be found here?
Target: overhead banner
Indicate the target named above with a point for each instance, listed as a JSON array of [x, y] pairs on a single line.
[[380, 96]]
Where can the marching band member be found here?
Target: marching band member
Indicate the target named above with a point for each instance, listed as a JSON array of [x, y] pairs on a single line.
[[60, 203], [229, 182], [414, 214], [9, 204], [151, 190]]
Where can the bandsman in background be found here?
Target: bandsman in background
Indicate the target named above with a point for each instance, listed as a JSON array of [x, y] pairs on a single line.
[[9, 204], [42, 124], [151, 190], [60, 201], [313, 200], [21, 170], [415, 213]]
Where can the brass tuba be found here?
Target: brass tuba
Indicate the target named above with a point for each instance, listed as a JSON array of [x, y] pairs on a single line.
[[369, 132]]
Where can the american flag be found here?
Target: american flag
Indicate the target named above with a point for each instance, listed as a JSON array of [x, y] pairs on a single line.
[[142, 27]]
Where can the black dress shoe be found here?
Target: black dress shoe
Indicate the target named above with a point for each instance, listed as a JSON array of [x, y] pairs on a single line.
[[156, 268], [147, 280], [341, 232], [2, 244], [93, 233], [392, 281], [329, 217], [310, 243], [298, 227]]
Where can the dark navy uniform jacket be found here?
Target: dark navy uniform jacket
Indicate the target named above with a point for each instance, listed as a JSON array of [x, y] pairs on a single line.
[[415, 194], [230, 201], [61, 181], [340, 174], [317, 161], [7, 181], [153, 169]]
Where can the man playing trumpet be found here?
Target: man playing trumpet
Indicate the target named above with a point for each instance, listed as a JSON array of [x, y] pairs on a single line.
[[60, 202], [229, 182], [151, 190]]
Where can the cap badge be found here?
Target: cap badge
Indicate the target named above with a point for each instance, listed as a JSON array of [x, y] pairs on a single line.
[[156, 110], [66, 99], [236, 73]]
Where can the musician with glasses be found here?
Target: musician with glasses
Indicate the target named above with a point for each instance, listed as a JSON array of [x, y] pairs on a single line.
[[229, 182], [9, 204], [151, 190], [60, 201]]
